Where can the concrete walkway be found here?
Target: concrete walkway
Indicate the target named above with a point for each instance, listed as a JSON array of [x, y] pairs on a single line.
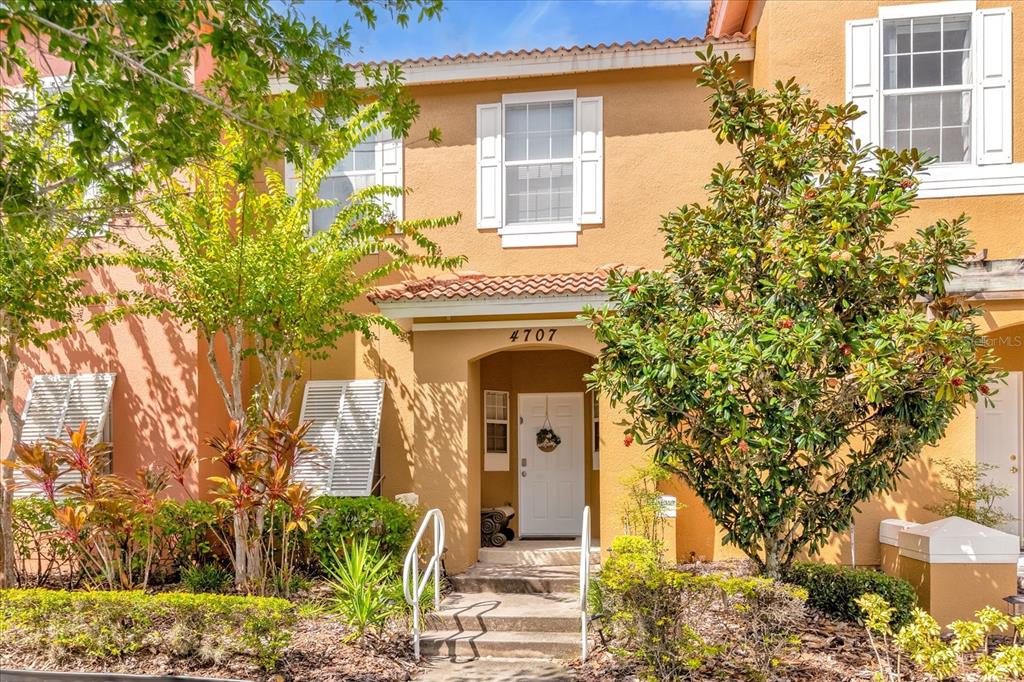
[[496, 670]]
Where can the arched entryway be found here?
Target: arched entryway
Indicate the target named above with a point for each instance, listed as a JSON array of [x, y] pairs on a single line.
[[521, 392]]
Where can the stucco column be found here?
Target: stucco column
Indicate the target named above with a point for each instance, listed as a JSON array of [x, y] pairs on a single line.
[[619, 462], [446, 442], [958, 567]]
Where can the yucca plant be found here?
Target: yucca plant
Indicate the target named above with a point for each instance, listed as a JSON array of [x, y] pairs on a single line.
[[366, 593]]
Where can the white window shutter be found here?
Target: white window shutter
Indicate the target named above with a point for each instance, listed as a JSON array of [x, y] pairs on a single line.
[[43, 415], [589, 160], [488, 166], [345, 426], [390, 171], [994, 57], [863, 77], [57, 402]]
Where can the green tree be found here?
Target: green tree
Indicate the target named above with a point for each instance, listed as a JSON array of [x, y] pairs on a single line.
[[790, 358], [237, 259], [132, 98], [131, 108], [47, 245], [970, 493]]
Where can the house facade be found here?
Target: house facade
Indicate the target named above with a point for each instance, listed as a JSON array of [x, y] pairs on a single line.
[[561, 162]]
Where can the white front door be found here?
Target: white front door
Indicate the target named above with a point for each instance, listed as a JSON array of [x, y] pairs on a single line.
[[999, 435], [551, 483]]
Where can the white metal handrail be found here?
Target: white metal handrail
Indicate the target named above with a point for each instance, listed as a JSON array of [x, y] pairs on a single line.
[[413, 584], [584, 580]]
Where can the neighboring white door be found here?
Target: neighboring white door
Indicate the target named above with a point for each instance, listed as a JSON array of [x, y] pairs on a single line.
[[551, 483], [998, 440]]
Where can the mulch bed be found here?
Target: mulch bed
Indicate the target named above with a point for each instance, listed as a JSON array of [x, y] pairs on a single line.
[[829, 651], [316, 653]]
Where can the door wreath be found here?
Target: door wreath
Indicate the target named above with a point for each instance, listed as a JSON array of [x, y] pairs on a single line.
[[547, 439]]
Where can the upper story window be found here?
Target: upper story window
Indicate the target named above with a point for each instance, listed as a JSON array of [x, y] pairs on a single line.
[[371, 163], [927, 84], [937, 77], [538, 162], [540, 167]]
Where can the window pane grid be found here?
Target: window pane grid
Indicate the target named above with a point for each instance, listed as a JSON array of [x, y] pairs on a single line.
[[496, 421], [538, 162], [926, 86]]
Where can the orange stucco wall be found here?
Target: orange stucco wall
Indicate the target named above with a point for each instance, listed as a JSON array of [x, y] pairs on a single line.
[[784, 50], [155, 404]]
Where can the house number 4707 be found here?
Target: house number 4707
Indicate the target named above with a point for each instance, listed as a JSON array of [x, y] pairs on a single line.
[[530, 334]]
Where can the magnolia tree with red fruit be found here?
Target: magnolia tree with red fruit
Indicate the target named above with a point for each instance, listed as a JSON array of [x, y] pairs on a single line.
[[792, 356]]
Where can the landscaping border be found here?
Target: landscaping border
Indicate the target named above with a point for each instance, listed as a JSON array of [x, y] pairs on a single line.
[[54, 676]]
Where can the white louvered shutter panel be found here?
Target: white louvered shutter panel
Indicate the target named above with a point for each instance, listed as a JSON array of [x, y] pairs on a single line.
[[321, 405], [863, 77], [345, 418], [43, 415], [589, 159], [358, 429], [994, 78], [488, 166], [390, 172], [89, 401], [57, 402]]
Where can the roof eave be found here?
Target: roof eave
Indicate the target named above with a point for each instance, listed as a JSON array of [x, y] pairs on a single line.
[[473, 306], [531, 66]]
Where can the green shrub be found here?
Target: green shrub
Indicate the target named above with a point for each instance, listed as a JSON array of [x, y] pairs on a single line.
[[982, 646], [834, 590], [342, 519], [675, 623], [206, 578], [109, 625], [186, 534], [42, 553]]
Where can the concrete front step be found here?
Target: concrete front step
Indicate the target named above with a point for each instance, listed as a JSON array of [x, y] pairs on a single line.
[[488, 611], [480, 643], [518, 579], [537, 553]]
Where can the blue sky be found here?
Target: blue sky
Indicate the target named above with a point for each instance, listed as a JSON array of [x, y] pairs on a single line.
[[489, 25]]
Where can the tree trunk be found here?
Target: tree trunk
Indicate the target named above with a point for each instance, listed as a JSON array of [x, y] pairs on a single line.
[[8, 369], [240, 524], [234, 401], [773, 559]]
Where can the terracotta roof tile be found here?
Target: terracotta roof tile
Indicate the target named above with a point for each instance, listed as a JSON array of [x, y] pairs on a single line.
[[562, 51], [713, 10], [474, 285]]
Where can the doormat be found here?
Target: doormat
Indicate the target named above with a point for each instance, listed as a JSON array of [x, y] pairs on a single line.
[[551, 537]]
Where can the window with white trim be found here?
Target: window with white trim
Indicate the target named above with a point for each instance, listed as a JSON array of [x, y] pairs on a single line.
[[496, 422], [596, 428], [538, 162], [927, 85], [937, 77], [540, 167], [375, 162]]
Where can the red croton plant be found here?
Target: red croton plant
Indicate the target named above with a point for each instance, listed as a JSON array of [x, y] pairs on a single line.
[[110, 521]]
